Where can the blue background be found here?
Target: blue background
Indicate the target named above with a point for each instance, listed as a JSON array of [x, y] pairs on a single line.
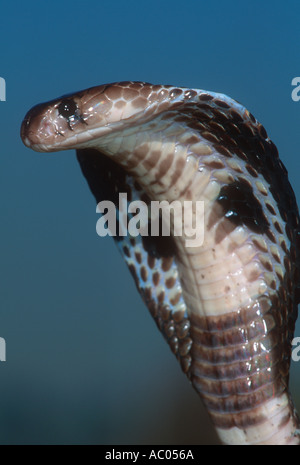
[[85, 362]]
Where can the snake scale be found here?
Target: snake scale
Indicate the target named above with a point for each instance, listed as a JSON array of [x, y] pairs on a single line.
[[227, 308]]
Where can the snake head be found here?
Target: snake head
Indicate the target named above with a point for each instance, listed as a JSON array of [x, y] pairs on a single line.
[[78, 120], [61, 124]]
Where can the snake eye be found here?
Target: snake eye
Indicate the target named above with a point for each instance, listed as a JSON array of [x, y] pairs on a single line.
[[67, 108]]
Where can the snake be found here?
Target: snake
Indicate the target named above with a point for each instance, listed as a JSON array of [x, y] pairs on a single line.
[[227, 307]]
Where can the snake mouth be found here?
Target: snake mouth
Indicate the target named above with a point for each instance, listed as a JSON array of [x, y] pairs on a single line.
[[26, 134], [49, 140], [37, 128]]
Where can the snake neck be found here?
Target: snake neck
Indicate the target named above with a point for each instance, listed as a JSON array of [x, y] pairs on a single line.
[[174, 163], [232, 284]]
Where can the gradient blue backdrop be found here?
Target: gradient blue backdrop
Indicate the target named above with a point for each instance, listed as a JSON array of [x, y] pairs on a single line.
[[85, 362]]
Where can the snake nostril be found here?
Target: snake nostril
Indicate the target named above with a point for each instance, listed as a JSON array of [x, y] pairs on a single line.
[[24, 126]]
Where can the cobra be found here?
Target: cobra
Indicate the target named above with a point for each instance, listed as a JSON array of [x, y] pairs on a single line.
[[228, 307]]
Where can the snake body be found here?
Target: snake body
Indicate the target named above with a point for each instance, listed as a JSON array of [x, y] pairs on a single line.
[[227, 308]]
